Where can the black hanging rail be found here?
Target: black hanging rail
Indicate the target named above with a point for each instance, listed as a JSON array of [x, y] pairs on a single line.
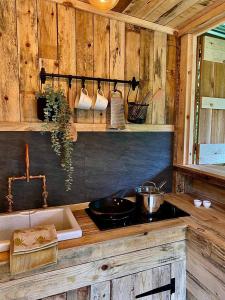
[[43, 76]]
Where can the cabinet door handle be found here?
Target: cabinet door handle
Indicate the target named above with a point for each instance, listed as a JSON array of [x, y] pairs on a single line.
[[168, 287]]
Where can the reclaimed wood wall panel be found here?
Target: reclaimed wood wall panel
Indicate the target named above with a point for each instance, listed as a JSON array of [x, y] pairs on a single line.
[[101, 59], [63, 39], [47, 38], [67, 48], [27, 31], [9, 79], [85, 58], [100, 291], [159, 83], [117, 51], [146, 67], [171, 78], [214, 49], [212, 72], [205, 268], [132, 55], [48, 29]]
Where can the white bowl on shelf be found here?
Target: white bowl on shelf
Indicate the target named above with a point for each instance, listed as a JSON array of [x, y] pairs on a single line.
[[197, 202], [207, 203]]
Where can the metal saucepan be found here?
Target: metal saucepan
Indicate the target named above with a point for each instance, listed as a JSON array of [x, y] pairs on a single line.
[[112, 208], [149, 197]]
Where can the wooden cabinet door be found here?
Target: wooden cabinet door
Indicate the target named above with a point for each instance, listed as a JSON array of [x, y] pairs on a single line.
[[136, 285], [132, 286]]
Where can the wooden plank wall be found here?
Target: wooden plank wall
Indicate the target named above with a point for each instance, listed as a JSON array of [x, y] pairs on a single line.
[[212, 84], [62, 39]]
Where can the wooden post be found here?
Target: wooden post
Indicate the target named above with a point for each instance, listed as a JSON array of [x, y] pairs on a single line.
[[185, 107]]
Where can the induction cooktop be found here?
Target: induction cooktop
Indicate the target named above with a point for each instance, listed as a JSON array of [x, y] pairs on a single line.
[[167, 211]]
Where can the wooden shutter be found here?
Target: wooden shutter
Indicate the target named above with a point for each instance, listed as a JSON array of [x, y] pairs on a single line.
[[211, 105]]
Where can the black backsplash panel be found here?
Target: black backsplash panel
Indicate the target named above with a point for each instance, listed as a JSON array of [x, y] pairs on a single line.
[[104, 163]]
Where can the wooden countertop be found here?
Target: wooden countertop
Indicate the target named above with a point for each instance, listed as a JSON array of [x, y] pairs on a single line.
[[208, 223]]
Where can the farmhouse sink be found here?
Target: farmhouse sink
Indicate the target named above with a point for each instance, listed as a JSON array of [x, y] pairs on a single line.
[[62, 217]]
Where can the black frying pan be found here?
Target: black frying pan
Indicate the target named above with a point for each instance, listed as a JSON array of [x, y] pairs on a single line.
[[112, 208]]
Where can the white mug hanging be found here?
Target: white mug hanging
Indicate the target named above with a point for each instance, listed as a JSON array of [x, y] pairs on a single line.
[[101, 102], [84, 102]]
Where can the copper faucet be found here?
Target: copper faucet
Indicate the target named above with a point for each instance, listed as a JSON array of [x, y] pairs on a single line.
[[26, 177]]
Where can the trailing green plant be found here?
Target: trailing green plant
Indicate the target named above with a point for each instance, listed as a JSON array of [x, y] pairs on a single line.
[[57, 116]]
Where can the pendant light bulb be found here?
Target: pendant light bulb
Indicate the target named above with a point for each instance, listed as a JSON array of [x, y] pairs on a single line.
[[104, 4]]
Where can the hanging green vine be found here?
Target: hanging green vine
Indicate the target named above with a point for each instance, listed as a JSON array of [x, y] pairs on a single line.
[[57, 116]]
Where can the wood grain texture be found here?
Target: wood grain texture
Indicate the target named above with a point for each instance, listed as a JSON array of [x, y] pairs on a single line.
[[57, 297], [218, 132], [101, 291], [49, 35], [28, 54], [206, 278], [33, 126], [159, 83], [214, 49], [147, 67], [76, 277], [132, 60], [85, 62], [67, 49], [117, 16], [101, 60], [203, 18], [117, 51], [79, 294], [205, 255], [177, 13], [206, 89], [211, 86], [47, 39], [191, 10], [213, 103], [47, 29], [171, 77], [186, 97], [178, 271], [9, 79]]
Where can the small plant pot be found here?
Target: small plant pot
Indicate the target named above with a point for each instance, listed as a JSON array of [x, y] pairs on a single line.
[[41, 104]]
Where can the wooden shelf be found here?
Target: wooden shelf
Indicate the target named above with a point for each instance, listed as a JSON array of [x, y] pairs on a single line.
[[214, 174], [26, 126]]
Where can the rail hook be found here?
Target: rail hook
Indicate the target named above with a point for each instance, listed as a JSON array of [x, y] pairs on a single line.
[[115, 84], [70, 77], [99, 85], [83, 83]]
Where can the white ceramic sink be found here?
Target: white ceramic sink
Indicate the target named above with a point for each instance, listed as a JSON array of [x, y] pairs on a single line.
[[62, 217]]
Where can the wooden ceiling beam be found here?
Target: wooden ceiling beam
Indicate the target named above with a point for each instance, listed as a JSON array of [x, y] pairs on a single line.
[[117, 16], [205, 20], [121, 5]]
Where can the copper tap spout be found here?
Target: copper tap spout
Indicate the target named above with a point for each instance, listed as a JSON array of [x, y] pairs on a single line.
[[27, 177]]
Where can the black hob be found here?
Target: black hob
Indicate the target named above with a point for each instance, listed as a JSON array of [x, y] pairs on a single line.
[[167, 211]]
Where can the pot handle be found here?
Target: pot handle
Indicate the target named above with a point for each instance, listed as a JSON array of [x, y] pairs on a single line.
[[151, 182]]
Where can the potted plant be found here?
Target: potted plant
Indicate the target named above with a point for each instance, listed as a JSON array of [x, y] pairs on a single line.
[[54, 110]]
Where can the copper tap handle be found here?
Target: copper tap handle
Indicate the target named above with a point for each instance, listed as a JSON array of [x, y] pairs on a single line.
[[27, 162]]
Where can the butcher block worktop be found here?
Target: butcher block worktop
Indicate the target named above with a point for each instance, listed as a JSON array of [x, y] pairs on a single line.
[[209, 223], [108, 253]]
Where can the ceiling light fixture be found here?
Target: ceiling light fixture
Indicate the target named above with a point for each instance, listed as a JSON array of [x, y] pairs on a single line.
[[104, 4]]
